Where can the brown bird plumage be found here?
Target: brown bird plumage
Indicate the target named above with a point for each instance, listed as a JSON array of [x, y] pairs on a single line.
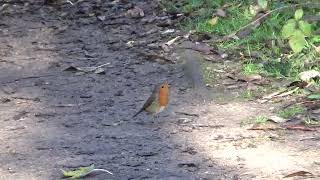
[[158, 100]]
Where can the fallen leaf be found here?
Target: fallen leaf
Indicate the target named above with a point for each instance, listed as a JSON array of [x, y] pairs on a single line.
[[99, 71], [82, 172], [82, 70], [130, 43], [221, 13], [78, 173], [136, 12], [168, 31], [288, 92], [213, 21], [308, 75], [298, 173], [252, 77], [272, 95], [271, 126], [202, 47], [314, 97], [277, 119], [169, 43], [254, 9], [101, 18]]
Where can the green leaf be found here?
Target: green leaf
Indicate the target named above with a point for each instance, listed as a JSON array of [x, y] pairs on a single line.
[[298, 14], [263, 4], [288, 28], [315, 39], [297, 41], [78, 173], [305, 27], [253, 10], [314, 96]]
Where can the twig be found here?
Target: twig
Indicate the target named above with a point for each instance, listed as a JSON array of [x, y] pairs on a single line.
[[301, 128], [101, 170], [68, 1], [310, 138], [102, 65], [207, 125], [187, 114]]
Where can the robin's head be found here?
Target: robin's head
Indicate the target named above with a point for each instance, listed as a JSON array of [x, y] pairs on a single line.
[[164, 94]]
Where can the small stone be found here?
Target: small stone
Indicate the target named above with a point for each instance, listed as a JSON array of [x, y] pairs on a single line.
[[119, 93]]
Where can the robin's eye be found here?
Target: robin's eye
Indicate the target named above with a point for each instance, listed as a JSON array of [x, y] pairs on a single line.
[[162, 86]]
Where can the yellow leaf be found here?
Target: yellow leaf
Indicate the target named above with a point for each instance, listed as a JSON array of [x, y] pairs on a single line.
[[214, 20]]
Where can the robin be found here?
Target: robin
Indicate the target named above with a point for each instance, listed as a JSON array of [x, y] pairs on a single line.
[[158, 100]]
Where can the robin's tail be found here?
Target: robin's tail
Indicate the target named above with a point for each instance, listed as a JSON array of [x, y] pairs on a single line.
[[138, 113]]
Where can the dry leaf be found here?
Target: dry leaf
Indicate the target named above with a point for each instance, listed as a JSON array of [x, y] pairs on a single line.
[[136, 12], [251, 78], [308, 75], [272, 95], [277, 119], [83, 70], [202, 47], [168, 31], [221, 13], [288, 92], [101, 18], [265, 126], [100, 71], [169, 43]]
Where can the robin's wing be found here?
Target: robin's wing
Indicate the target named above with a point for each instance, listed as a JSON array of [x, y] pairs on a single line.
[[149, 100], [152, 98]]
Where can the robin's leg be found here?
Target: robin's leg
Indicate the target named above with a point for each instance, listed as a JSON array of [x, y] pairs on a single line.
[[153, 117]]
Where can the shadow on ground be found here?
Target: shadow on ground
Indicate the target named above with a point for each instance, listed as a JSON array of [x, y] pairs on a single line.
[[52, 119]]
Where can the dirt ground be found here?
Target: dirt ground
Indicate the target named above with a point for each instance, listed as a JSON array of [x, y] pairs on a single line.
[[53, 119]]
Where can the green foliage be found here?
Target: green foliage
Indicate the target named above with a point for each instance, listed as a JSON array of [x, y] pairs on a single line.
[[296, 30], [298, 14], [263, 4], [261, 119], [247, 94], [297, 41], [314, 96], [305, 27], [281, 29], [278, 68], [251, 68], [291, 111], [288, 28]]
